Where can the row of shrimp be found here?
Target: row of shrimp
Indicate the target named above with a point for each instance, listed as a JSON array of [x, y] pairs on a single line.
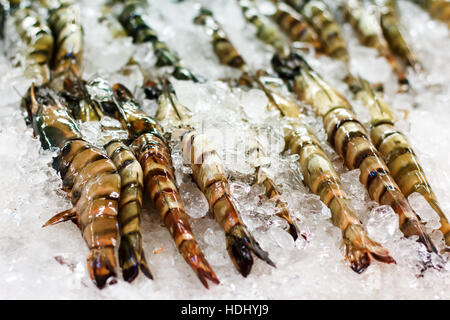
[[389, 168]]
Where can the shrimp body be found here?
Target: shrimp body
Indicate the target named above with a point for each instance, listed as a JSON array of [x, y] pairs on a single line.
[[153, 153], [321, 178], [397, 152], [294, 25], [323, 22], [66, 26], [39, 39], [365, 21], [351, 141], [89, 177], [222, 46], [392, 33], [266, 30], [209, 174], [88, 107], [132, 20]]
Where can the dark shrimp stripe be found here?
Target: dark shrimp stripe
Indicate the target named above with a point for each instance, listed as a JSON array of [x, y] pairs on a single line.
[[381, 122], [96, 158], [332, 136], [157, 159], [386, 135], [129, 219], [396, 152], [362, 155], [349, 137], [125, 164], [332, 109]]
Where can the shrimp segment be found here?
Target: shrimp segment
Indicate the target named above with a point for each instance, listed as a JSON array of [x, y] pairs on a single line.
[[209, 174], [89, 176], [153, 153], [351, 141]]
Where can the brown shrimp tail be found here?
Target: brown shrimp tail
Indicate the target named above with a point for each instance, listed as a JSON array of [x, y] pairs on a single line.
[[191, 252], [360, 249], [102, 265], [132, 258], [240, 244]]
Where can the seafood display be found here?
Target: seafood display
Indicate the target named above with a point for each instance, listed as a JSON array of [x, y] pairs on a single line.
[[186, 145]]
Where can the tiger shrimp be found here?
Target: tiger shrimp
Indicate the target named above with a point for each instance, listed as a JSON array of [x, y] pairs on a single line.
[[86, 104], [66, 27], [209, 174], [390, 25], [366, 23], [224, 49], [320, 177], [39, 40], [294, 25], [397, 152], [222, 46], [153, 153], [89, 177], [266, 31], [132, 20], [322, 20], [351, 141]]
